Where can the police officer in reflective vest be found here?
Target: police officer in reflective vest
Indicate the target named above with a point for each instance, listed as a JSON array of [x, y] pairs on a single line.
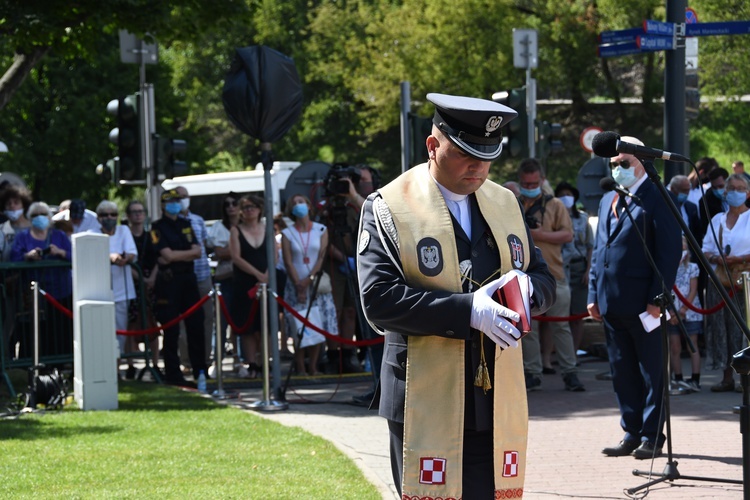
[[176, 288]]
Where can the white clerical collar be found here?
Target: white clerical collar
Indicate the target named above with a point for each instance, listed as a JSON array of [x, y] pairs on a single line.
[[458, 204], [450, 195]]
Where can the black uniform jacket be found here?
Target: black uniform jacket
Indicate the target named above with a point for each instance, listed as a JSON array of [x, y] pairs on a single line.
[[401, 310]]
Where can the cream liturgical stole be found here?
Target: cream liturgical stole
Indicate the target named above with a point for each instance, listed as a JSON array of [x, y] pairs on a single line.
[[435, 385]]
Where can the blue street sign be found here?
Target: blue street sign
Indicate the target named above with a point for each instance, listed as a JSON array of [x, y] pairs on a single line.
[[720, 28], [654, 43], [618, 49], [651, 27], [628, 35]]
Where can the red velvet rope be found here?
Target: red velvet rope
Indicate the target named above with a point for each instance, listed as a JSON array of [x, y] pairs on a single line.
[[253, 311], [326, 334], [690, 306], [67, 312]]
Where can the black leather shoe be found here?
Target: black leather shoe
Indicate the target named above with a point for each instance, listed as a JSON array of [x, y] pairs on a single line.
[[646, 451], [622, 449]]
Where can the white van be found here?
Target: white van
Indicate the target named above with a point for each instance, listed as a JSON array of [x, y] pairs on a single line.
[[207, 191]]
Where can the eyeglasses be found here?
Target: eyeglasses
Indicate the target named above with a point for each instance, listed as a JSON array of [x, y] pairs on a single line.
[[250, 207], [230, 203], [108, 214], [624, 164], [739, 189], [44, 214]]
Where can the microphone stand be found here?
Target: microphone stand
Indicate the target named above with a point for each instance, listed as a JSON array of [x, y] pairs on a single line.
[[670, 471]]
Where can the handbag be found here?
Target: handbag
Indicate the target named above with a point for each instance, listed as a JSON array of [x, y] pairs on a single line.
[[224, 270], [735, 270], [324, 285], [306, 335]]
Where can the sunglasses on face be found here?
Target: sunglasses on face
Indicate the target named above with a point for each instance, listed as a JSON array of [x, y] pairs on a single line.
[[249, 207], [230, 203], [108, 215], [624, 164]]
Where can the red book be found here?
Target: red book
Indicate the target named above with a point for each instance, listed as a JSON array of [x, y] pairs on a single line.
[[514, 294]]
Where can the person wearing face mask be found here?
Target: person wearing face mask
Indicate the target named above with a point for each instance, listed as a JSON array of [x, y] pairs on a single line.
[[551, 228], [698, 178], [42, 242], [176, 288], [714, 198], [622, 285], [202, 270], [576, 258], [15, 200], [679, 189], [122, 251], [732, 229], [303, 248]]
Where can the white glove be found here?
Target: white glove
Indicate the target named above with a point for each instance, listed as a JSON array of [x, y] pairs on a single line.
[[488, 316]]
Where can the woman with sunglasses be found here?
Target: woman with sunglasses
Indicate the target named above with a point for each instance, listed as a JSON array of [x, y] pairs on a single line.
[[218, 239], [247, 246], [122, 251], [42, 242]]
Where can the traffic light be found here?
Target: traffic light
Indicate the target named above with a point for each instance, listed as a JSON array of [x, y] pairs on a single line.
[[419, 128], [548, 139], [168, 157], [127, 136], [515, 134], [107, 171]]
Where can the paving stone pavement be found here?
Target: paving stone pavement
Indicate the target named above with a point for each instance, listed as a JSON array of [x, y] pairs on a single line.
[[566, 434]]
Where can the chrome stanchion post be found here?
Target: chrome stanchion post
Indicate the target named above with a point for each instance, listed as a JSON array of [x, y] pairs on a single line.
[[219, 340], [266, 404], [35, 294]]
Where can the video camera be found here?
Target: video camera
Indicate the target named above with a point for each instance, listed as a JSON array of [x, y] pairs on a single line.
[[335, 180]]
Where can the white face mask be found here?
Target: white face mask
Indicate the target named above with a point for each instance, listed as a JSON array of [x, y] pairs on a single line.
[[684, 254], [185, 204], [567, 200]]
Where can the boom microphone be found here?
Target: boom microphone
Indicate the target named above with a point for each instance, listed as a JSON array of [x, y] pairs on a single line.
[[608, 145], [609, 184]]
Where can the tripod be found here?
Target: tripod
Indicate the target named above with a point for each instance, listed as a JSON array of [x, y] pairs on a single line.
[[670, 470]]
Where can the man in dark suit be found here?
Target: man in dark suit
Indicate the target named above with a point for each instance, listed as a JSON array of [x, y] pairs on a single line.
[[428, 240], [622, 285]]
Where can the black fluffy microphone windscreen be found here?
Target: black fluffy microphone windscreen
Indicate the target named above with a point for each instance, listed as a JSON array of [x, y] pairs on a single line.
[[605, 144], [607, 184]]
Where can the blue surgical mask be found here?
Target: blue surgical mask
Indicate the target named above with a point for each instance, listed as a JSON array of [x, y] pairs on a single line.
[[40, 222], [173, 207], [681, 198], [736, 198], [300, 210], [14, 215], [718, 192], [530, 193], [567, 200], [185, 204], [625, 177]]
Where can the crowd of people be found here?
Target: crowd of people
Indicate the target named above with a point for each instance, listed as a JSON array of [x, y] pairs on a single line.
[[174, 271]]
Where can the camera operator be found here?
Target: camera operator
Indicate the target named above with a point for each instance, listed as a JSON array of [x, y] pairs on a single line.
[[346, 190]]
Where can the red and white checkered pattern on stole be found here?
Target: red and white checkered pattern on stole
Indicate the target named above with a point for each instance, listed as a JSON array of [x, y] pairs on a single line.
[[432, 470], [510, 464]]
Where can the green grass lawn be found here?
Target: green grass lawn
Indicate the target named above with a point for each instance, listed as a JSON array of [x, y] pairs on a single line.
[[167, 443]]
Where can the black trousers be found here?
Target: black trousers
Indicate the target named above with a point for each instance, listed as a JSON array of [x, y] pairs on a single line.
[[478, 480], [173, 297]]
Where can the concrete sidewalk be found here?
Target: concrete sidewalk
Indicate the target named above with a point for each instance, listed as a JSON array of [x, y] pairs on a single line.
[[566, 434]]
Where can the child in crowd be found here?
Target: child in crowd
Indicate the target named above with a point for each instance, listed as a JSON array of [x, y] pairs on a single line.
[[687, 283]]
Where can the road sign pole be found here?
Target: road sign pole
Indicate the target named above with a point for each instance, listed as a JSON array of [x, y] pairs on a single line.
[[675, 126], [531, 113]]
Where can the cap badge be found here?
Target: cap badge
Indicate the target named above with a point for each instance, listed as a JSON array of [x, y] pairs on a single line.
[[493, 124]]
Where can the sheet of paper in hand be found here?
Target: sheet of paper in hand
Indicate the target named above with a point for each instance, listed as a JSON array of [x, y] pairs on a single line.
[[515, 294]]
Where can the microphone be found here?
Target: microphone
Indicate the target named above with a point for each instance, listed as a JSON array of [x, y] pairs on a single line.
[[609, 184], [608, 145]]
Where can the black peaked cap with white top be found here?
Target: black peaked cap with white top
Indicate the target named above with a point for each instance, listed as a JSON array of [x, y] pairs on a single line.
[[473, 125]]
